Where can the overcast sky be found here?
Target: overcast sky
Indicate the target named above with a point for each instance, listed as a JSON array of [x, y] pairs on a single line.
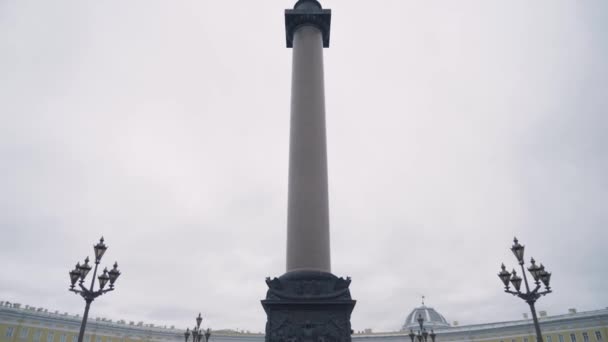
[[163, 125]]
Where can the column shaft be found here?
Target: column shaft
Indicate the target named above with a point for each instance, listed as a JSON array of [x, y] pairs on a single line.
[[308, 209]]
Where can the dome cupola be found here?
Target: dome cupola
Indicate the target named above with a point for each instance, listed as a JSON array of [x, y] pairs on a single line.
[[431, 319]]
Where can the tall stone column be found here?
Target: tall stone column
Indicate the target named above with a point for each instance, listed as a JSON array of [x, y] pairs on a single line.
[[308, 302], [308, 207]]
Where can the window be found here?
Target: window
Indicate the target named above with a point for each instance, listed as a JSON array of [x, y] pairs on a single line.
[[549, 339], [99, 339], [25, 331], [50, 336], [37, 335], [525, 339], [87, 338], [75, 338], [598, 336], [572, 338], [9, 331], [585, 337], [62, 338], [561, 338]]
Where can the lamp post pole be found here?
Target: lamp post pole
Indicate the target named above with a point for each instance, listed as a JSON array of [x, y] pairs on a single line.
[[89, 294], [197, 332], [422, 335], [539, 274]]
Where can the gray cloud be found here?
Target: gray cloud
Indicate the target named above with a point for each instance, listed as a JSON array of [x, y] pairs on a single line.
[[451, 128]]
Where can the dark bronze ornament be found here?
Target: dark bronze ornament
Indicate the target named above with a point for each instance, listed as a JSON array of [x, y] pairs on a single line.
[[308, 306]]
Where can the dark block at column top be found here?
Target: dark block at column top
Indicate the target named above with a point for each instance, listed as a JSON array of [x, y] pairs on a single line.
[[307, 12]]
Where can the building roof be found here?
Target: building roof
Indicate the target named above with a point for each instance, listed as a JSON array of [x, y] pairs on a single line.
[[431, 319]]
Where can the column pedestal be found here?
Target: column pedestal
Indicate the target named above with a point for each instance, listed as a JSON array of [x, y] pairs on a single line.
[[308, 306]]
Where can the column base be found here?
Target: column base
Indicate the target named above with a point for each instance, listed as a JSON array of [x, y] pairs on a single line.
[[308, 306]]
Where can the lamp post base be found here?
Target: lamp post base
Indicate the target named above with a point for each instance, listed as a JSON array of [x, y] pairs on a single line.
[[305, 306]]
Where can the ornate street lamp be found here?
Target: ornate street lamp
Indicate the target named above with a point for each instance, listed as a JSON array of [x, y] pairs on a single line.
[[197, 332], [539, 274], [422, 335], [89, 294]]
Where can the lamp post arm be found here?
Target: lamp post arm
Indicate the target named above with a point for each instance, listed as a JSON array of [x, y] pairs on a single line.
[[95, 274], [523, 271], [100, 292], [543, 293], [513, 292], [106, 290], [529, 297], [536, 288], [84, 289]]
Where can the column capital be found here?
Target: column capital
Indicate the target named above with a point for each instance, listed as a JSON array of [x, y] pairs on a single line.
[[307, 12]]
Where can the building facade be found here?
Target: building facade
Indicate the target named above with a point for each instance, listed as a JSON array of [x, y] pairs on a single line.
[[29, 324], [589, 326]]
